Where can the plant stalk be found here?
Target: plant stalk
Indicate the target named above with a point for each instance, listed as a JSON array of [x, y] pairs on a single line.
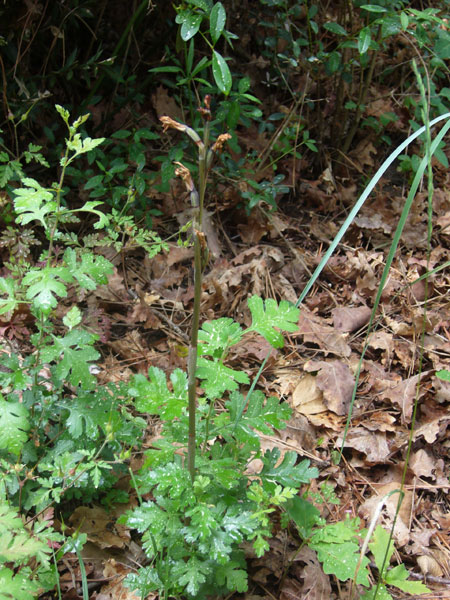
[[199, 251]]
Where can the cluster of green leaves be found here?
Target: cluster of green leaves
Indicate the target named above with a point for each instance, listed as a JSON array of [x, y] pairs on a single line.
[[192, 530], [116, 173], [190, 17], [264, 192], [204, 21], [338, 549], [31, 549], [298, 36], [62, 435], [11, 166], [382, 549]]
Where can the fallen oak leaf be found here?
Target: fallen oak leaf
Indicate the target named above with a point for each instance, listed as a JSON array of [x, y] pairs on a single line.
[[348, 319], [373, 444], [400, 517], [314, 330], [403, 393], [307, 400], [336, 381]]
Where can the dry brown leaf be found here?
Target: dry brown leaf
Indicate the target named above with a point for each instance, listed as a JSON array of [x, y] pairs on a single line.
[[284, 288], [326, 179], [314, 330], [403, 393], [276, 224], [377, 378], [177, 254], [405, 351], [114, 290], [101, 528], [248, 263], [336, 381], [299, 434], [114, 589], [307, 398], [342, 267], [373, 444], [316, 584], [256, 347], [380, 421], [429, 566], [432, 427], [400, 327], [362, 154], [373, 221], [323, 230], [311, 192], [252, 231], [131, 346], [442, 389], [166, 105], [286, 380], [381, 340], [290, 590], [422, 464], [421, 540], [142, 314], [350, 319]]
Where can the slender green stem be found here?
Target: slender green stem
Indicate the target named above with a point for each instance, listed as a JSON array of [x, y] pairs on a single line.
[[364, 88], [192, 359], [198, 276], [58, 203]]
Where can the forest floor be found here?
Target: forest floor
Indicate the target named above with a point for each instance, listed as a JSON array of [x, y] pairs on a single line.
[[396, 431], [145, 313]]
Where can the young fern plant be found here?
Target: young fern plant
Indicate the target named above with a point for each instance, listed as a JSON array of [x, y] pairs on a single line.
[[206, 501]]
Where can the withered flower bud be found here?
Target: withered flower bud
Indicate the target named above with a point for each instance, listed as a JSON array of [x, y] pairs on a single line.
[[218, 144], [169, 123], [185, 174], [206, 114]]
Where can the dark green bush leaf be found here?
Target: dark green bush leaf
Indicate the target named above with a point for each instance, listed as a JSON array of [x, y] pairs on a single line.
[[217, 21], [221, 73]]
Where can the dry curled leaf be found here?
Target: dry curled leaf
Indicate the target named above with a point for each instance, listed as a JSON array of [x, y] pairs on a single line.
[[429, 566], [336, 381], [315, 331], [350, 319]]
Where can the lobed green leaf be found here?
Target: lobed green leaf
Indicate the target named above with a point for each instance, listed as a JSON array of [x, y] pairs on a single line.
[[217, 378], [268, 315], [217, 336], [287, 472], [153, 396], [14, 426]]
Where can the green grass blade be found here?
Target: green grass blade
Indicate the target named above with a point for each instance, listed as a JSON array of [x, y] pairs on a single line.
[[375, 179], [390, 257], [355, 210]]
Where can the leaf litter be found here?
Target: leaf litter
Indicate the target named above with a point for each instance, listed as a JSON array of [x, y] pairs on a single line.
[[144, 319], [315, 372], [142, 316]]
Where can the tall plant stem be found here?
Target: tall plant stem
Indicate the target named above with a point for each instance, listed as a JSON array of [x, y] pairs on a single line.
[[364, 88], [198, 277]]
